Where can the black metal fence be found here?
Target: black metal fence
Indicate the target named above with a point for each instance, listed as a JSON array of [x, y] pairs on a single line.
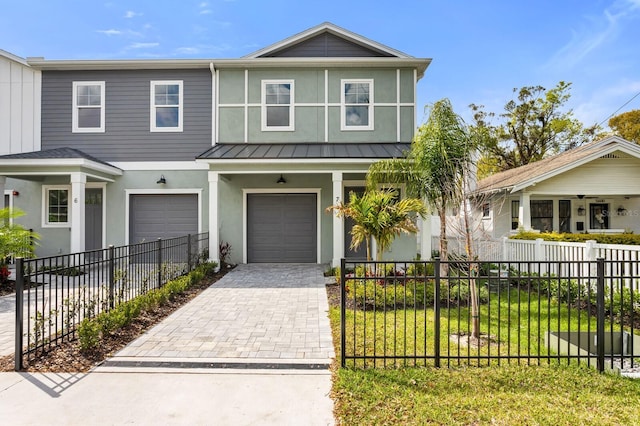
[[54, 294], [480, 313]]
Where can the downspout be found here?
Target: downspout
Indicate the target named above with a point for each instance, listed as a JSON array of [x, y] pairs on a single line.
[[214, 128]]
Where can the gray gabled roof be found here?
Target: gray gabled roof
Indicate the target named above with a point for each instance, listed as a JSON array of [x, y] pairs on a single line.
[[64, 154], [286, 151], [524, 176], [328, 27]]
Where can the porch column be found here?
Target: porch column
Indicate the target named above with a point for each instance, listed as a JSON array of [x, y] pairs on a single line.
[[338, 223], [214, 238], [3, 181], [524, 211], [78, 183], [424, 240]]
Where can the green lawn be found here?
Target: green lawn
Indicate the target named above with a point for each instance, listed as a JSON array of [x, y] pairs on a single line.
[[516, 321], [496, 395]]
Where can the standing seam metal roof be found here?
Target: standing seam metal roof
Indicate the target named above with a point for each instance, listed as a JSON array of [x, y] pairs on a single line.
[[255, 151]]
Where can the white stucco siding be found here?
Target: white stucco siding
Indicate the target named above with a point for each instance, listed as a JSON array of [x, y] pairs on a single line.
[[604, 176], [20, 88]]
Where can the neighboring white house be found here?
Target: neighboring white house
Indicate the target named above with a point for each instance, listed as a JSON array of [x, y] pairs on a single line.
[[594, 188]]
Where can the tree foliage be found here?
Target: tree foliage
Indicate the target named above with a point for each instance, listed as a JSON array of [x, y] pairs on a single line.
[[627, 125], [14, 239], [379, 214], [433, 168], [532, 127]]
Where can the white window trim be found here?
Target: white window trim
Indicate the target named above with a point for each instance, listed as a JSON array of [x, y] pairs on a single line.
[[153, 107], [292, 118], [74, 115], [343, 123], [45, 207]]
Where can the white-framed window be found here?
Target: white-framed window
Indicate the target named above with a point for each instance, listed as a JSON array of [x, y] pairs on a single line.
[[55, 206], [277, 105], [88, 107], [166, 106], [356, 105]]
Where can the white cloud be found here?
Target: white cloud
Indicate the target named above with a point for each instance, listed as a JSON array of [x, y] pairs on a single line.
[[204, 4], [205, 12], [607, 101], [131, 14], [142, 45], [110, 32], [597, 32]]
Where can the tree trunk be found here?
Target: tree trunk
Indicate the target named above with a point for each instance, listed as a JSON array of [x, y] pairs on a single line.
[[444, 252], [473, 273]]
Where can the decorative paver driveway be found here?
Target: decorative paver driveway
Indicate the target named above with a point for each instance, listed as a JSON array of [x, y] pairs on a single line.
[[268, 313]]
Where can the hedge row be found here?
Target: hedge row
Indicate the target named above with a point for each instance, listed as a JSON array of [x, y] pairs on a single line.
[[92, 330], [626, 239]]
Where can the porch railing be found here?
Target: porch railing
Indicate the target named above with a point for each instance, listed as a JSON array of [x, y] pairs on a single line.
[[54, 294]]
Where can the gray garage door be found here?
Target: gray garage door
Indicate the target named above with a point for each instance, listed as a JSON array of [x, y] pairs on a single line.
[[282, 228], [162, 216]]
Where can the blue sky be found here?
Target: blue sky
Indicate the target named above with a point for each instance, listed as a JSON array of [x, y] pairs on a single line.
[[481, 50]]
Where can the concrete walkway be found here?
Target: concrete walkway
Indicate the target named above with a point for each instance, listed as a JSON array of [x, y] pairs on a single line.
[[254, 348]]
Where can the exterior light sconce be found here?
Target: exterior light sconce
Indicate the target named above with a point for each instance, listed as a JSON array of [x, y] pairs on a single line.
[[281, 180], [15, 193], [580, 211], [622, 211], [162, 180]]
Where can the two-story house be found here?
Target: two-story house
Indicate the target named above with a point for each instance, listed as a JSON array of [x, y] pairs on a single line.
[[252, 150]]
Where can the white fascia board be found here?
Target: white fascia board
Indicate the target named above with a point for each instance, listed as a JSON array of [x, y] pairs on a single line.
[[160, 165], [98, 167], [331, 28], [614, 144], [14, 58]]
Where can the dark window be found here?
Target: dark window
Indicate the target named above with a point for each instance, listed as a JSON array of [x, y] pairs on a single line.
[[564, 213], [515, 208], [542, 215]]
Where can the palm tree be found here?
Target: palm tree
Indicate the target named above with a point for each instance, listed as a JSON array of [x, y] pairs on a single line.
[[434, 167], [379, 215]]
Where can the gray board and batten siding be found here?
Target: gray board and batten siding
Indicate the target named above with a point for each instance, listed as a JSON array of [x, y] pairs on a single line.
[[127, 135], [281, 228], [326, 45]]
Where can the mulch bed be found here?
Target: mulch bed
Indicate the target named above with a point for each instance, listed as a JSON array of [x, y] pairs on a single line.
[[68, 357]]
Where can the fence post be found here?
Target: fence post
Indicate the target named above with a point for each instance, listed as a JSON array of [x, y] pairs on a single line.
[[343, 313], [18, 364], [505, 249], [600, 315], [112, 269], [189, 265], [538, 251], [436, 313], [159, 256]]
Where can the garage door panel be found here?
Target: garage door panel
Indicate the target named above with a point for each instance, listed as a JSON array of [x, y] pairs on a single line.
[[154, 216], [281, 228]]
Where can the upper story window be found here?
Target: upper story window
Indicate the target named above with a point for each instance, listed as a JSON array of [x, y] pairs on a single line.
[[88, 106], [277, 105], [166, 106], [56, 206], [356, 105]]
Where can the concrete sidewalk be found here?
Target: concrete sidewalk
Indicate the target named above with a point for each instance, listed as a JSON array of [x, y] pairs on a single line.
[[254, 348]]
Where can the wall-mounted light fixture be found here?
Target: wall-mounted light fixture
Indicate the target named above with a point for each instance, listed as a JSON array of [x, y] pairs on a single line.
[[580, 211], [162, 180], [15, 193], [622, 211], [281, 180]]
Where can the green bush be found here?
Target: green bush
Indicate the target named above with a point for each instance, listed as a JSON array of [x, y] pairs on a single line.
[[91, 330], [398, 295], [88, 334], [627, 239], [459, 293]]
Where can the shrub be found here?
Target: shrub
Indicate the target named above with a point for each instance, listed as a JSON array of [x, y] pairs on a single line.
[[88, 334], [398, 295], [627, 239]]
